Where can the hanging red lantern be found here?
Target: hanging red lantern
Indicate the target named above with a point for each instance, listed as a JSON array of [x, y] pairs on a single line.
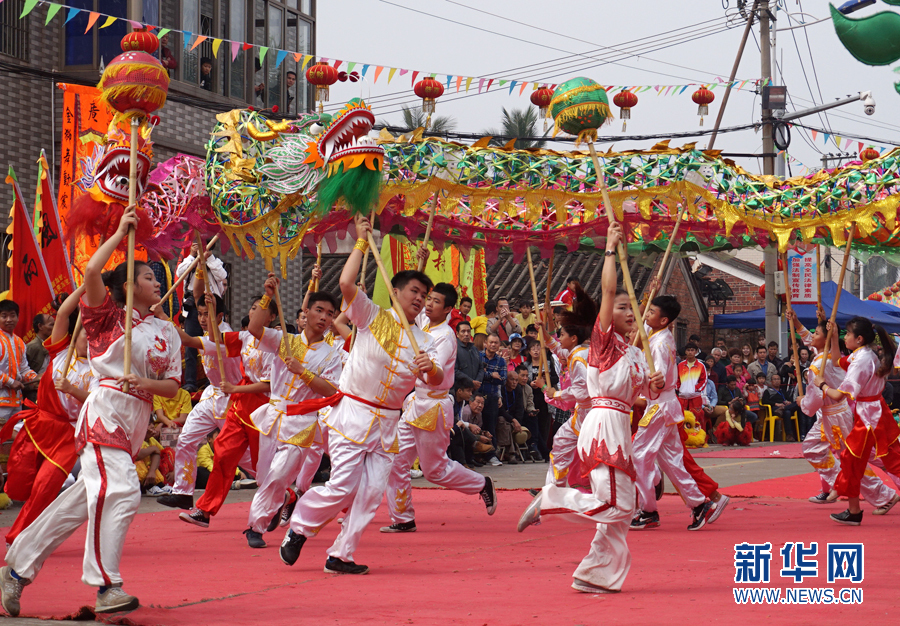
[[541, 99], [322, 76], [887, 293], [429, 90], [134, 81], [868, 154], [762, 266], [877, 297], [625, 100], [762, 290], [703, 97]]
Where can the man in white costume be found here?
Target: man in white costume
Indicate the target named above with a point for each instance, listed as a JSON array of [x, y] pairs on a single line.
[[425, 426], [362, 439]]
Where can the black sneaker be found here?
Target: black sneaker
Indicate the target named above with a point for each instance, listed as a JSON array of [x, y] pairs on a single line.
[[847, 518], [700, 515], [489, 495], [533, 492], [336, 566], [177, 501], [196, 517], [400, 527], [645, 520], [254, 539], [822, 498], [288, 511], [660, 486], [290, 547], [276, 519]]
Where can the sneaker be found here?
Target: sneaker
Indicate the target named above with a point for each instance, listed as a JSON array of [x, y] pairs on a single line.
[[884, 508], [288, 511], [336, 566], [155, 491], [11, 591], [821, 498], [290, 547], [532, 514], [400, 527], [195, 517], [247, 483], [115, 600], [645, 520], [717, 507], [489, 495], [414, 473], [276, 519], [586, 587], [495, 461], [847, 518], [660, 486], [177, 501], [254, 539], [700, 516]]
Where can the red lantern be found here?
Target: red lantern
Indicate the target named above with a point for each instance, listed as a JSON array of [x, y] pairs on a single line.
[[762, 266], [887, 293], [703, 97], [429, 90], [322, 76], [625, 100], [895, 288], [868, 154], [762, 290], [541, 99], [134, 81]]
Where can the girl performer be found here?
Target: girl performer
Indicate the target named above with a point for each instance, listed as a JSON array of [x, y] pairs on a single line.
[[875, 432], [110, 429], [44, 451], [617, 374]]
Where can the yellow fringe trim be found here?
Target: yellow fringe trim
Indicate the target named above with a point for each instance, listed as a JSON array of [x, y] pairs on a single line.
[[577, 90], [154, 95]]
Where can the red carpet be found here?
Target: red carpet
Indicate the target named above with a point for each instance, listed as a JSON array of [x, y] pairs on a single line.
[[463, 567], [754, 451]]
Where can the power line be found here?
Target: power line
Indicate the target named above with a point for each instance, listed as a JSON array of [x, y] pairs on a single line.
[[848, 135]]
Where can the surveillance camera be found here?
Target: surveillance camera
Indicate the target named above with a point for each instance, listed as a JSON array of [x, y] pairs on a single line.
[[869, 109], [868, 102]]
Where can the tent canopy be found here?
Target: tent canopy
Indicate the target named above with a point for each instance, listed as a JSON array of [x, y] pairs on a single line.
[[849, 307]]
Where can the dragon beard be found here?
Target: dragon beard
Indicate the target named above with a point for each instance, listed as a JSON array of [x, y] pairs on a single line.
[[358, 187]]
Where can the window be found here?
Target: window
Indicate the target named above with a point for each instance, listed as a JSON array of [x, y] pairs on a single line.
[[279, 25], [13, 31], [98, 44], [681, 337]]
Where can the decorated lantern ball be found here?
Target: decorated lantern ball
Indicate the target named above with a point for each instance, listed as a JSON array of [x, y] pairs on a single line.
[[429, 90], [323, 76], [541, 99], [868, 154], [703, 97], [135, 82], [625, 100], [579, 107]]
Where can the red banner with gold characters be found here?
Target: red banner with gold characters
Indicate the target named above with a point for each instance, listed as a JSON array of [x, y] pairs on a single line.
[[29, 284], [49, 230]]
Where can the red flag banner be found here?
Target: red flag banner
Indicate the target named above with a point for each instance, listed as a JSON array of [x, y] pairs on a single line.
[[29, 286], [53, 247]]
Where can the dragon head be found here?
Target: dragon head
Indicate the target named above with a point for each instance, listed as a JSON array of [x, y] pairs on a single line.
[[345, 140], [108, 182]]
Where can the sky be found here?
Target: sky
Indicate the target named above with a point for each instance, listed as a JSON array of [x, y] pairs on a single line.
[[630, 42]]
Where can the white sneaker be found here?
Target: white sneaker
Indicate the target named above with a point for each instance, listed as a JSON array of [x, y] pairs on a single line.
[[155, 491], [717, 508], [414, 473], [495, 461], [115, 600]]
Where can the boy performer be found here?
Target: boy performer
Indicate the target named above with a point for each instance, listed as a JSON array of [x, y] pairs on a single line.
[[617, 373], [657, 437], [14, 370], [381, 371], [238, 432], [307, 368], [209, 412], [425, 426]]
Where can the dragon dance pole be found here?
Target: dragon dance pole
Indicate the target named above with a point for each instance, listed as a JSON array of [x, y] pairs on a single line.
[[837, 295], [534, 294], [213, 316], [434, 203], [623, 260], [190, 269], [790, 309], [547, 315], [129, 281], [396, 305]]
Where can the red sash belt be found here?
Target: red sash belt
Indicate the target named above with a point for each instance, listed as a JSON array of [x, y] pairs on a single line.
[[610, 403], [311, 406], [870, 399]]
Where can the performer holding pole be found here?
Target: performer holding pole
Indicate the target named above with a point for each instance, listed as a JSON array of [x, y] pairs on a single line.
[[784, 258], [534, 295]]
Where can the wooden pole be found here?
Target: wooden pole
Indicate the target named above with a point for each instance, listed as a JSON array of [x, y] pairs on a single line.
[[796, 351], [837, 295], [71, 351], [434, 203], [548, 320], [314, 283], [129, 281], [819, 280], [213, 316], [534, 294], [390, 290], [187, 271], [623, 260], [270, 268]]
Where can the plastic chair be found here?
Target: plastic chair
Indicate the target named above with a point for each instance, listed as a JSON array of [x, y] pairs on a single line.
[[769, 420]]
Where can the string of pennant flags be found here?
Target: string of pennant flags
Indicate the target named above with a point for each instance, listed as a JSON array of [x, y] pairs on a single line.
[[192, 40], [844, 143]]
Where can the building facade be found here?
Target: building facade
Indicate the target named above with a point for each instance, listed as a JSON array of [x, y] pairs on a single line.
[[36, 53]]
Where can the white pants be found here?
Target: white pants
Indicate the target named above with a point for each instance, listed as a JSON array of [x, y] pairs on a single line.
[[107, 476], [564, 443], [660, 442], [611, 503], [359, 475], [200, 422], [431, 448], [278, 464], [818, 452]]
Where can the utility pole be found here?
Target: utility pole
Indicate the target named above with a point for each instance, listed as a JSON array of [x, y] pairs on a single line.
[[770, 254]]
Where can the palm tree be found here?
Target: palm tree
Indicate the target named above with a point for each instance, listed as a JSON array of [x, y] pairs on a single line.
[[414, 117], [518, 123]]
